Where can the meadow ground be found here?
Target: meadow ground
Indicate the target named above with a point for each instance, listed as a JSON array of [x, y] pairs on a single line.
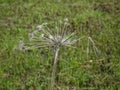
[[99, 19]]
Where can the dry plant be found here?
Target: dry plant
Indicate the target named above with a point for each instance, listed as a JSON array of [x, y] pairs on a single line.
[[46, 35]]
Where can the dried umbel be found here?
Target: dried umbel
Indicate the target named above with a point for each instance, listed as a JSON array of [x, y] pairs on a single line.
[[53, 35], [45, 36]]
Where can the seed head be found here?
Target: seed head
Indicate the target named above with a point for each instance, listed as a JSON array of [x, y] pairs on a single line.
[[45, 35]]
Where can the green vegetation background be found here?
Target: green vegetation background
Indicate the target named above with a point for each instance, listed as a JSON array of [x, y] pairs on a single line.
[[31, 70]]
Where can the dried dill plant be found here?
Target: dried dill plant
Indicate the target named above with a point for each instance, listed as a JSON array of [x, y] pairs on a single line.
[[47, 35]]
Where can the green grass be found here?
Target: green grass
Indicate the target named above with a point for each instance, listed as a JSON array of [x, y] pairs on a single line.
[[32, 70]]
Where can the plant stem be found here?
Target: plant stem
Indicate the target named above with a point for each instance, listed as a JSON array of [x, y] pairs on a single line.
[[54, 68]]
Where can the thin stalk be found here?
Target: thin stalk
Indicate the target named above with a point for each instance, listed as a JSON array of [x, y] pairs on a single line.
[[87, 48], [54, 68]]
